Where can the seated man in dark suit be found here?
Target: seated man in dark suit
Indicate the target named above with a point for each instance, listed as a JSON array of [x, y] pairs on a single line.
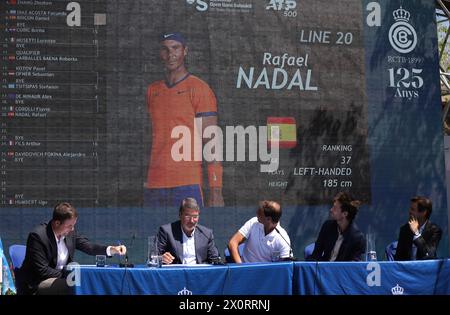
[[50, 247], [419, 238], [185, 241], [339, 238]]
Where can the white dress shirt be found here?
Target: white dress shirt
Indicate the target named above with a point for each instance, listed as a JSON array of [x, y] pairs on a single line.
[[63, 252], [416, 236], [189, 257], [337, 246]]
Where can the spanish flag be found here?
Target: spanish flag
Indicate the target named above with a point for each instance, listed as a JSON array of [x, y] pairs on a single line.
[[286, 132]]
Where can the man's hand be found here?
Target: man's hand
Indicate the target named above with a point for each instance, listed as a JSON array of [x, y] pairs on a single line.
[[413, 225], [215, 197], [118, 250], [167, 258]]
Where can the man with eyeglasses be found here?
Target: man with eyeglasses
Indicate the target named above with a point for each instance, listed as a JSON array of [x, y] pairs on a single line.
[[185, 241]]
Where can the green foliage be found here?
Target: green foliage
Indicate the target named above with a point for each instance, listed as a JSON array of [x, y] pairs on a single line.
[[442, 33]]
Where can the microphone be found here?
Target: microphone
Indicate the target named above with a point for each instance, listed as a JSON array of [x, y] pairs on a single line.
[[291, 255], [213, 260], [126, 264]]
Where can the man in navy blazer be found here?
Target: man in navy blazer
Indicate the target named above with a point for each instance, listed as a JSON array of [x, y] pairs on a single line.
[[339, 239], [50, 247], [185, 241], [419, 238]]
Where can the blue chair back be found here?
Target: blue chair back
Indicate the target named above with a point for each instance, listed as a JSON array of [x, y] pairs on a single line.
[[390, 251], [309, 250], [17, 254], [227, 255]]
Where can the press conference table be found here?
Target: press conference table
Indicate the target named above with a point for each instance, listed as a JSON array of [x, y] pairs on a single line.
[[232, 279], [430, 277], [282, 278]]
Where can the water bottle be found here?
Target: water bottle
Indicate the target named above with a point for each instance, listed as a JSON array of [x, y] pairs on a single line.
[[370, 246], [153, 257]]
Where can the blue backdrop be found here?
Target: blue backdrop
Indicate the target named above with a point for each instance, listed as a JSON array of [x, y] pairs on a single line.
[[396, 83]]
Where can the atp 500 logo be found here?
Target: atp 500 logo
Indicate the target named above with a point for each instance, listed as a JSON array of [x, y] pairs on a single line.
[[287, 6], [201, 5]]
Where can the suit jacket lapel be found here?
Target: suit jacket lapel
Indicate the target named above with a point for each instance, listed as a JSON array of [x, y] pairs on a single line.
[[178, 235], [197, 241], [52, 244], [347, 234], [69, 240], [426, 230]]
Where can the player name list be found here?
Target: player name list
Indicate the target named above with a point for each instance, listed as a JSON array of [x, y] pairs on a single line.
[[53, 97]]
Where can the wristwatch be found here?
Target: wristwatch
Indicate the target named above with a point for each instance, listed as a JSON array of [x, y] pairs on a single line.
[[417, 233]]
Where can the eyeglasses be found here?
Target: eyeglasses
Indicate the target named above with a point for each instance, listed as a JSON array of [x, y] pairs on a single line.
[[191, 216]]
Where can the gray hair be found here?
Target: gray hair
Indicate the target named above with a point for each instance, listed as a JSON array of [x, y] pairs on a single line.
[[189, 203]]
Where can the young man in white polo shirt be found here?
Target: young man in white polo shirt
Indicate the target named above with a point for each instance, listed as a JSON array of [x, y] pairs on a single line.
[[265, 239]]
